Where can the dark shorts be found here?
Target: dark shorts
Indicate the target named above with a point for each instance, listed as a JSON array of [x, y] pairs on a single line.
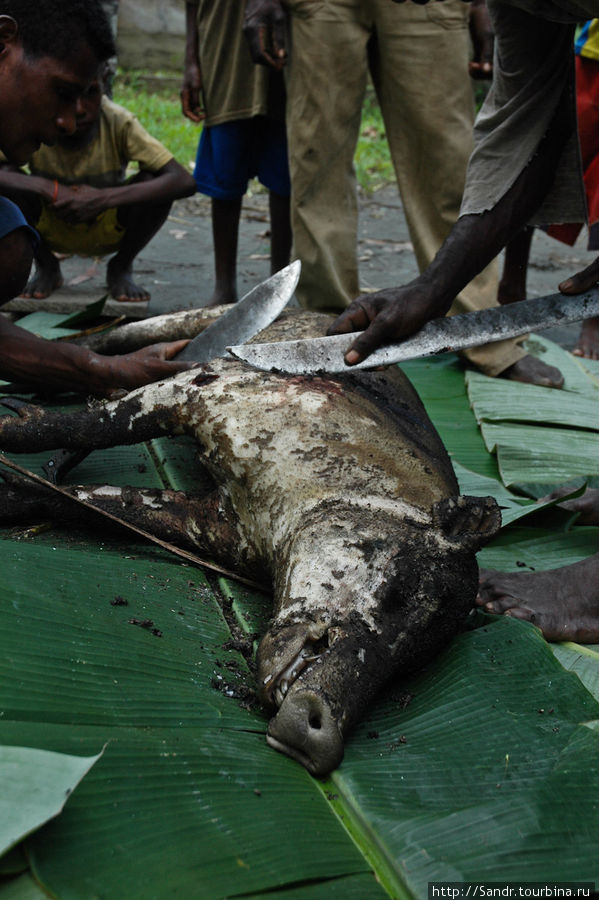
[[229, 155], [12, 218]]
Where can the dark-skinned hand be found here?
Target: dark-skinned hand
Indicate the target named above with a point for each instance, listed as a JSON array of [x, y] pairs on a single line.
[[149, 364], [385, 317], [191, 92], [264, 27], [481, 33], [79, 203]]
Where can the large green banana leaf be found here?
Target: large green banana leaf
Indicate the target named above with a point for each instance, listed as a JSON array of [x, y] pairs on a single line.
[[483, 767], [35, 787], [513, 506], [539, 435], [188, 797], [531, 404]]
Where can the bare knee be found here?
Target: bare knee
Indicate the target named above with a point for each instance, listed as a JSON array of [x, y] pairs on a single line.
[[16, 257]]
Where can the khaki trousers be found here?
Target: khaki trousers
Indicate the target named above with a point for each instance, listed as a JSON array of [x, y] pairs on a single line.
[[417, 57]]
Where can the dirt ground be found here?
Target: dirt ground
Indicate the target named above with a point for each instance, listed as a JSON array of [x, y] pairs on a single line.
[[177, 267]]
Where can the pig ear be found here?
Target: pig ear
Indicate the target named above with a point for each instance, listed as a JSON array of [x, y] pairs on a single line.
[[470, 522]]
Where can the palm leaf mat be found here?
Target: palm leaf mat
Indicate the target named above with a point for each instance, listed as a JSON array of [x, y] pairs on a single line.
[[484, 767]]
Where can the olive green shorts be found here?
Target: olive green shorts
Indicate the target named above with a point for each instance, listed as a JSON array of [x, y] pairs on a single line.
[[97, 238]]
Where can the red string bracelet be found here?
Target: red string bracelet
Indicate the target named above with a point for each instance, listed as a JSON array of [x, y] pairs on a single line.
[[55, 194]]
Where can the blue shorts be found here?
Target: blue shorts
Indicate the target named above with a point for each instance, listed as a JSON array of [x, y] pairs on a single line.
[[229, 155], [12, 218]]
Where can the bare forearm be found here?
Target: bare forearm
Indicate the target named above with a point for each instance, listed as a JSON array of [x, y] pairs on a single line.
[[191, 89], [475, 240], [15, 182], [191, 32], [52, 366], [163, 188], [395, 313]]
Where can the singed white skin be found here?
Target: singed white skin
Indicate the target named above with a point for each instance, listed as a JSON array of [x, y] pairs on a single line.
[[283, 446]]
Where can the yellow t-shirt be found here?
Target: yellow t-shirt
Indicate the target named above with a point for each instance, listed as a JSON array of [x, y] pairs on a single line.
[[121, 139]]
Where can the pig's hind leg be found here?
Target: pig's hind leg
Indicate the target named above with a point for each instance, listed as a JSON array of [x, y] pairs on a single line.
[[198, 523]]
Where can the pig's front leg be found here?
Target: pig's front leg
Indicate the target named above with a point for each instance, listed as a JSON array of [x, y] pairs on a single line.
[[121, 422]]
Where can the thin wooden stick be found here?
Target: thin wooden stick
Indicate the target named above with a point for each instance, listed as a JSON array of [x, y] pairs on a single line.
[[184, 554]]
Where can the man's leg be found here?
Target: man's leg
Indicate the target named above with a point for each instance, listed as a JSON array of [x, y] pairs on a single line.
[[16, 250], [512, 286], [272, 170], [111, 8], [587, 86], [47, 277], [280, 231], [422, 61], [141, 222], [588, 339], [326, 81], [225, 232], [16, 256]]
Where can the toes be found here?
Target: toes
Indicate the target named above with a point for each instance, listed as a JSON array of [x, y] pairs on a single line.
[[497, 605], [135, 295], [492, 597], [521, 612]]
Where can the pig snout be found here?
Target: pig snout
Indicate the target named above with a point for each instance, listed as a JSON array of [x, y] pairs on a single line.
[[326, 696], [306, 730], [308, 725]]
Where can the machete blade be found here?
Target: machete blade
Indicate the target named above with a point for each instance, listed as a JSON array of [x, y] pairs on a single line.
[[325, 354], [247, 317]]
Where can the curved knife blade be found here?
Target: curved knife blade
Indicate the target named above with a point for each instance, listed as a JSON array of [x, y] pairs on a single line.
[[452, 333], [247, 317]]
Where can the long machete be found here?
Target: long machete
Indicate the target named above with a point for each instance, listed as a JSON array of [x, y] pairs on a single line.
[[325, 355], [247, 317]]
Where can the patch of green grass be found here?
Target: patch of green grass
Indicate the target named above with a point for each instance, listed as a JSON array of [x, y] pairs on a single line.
[[157, 106], [373, 159]]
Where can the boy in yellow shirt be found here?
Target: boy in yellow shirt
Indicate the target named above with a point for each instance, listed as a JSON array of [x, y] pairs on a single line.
[[78, 197]]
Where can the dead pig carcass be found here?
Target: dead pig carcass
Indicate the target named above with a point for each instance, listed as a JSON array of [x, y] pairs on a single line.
[[338, 490]]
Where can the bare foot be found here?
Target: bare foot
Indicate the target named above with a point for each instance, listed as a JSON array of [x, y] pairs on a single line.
[[531, 370], [587, 504], [225, 290], [44, 282], [121, 285], [563, 603], [588, 342]]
